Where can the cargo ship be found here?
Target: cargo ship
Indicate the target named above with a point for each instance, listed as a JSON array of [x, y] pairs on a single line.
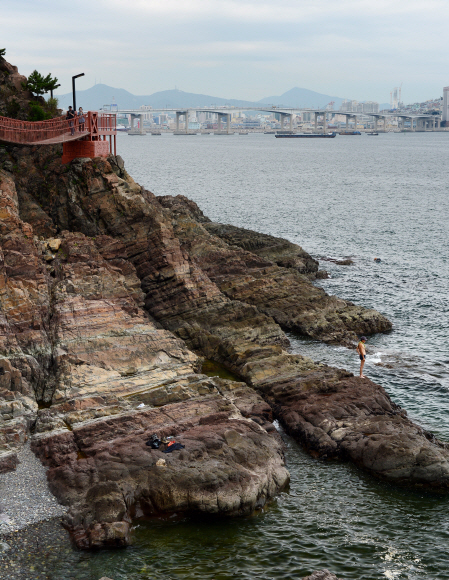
[[307, 135]]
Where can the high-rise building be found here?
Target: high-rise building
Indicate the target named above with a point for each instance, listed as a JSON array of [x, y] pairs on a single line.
[[356, 107], [370, 107], [445, 104]]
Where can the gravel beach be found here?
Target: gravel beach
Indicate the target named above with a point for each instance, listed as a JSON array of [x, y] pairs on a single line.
[[24, 495], [33, 543]]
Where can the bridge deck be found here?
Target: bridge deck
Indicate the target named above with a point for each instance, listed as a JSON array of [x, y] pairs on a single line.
[[60, 130], [61, 138], [52, 141]]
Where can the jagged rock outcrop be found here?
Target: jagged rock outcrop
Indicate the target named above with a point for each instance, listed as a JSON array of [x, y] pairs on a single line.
[[14, 99], [272, 274], [110, 300], [337, 415]]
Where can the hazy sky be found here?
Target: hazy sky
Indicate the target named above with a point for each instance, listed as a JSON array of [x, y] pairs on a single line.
[[247, 49]]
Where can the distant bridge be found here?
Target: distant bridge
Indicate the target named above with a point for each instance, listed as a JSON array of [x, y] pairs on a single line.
[[88, 139], [423, 121]]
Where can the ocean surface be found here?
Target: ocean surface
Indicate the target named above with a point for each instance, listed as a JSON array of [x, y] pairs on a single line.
[[351, 196]]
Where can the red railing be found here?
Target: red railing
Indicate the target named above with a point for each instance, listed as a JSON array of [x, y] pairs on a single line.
[[107, 123], [57, 130]]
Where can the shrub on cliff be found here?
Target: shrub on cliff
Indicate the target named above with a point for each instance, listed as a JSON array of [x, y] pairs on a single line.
[[12, 109], [51, 106], [2, 52], [37, 113]]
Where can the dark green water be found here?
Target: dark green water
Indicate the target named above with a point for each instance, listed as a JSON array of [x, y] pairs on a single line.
[[386, 197]]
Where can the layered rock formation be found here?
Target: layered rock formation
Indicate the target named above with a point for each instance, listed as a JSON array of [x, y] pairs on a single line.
[[87, 351], [111, 299], [272, 274]]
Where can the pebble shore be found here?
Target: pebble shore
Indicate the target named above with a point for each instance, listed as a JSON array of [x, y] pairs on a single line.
[[24, 495], [33, 543]]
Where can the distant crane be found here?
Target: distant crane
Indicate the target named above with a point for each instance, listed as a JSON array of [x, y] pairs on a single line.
[[400, 99], [330, 106]]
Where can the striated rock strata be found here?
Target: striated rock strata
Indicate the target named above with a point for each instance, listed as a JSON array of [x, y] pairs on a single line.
[[111, 299]]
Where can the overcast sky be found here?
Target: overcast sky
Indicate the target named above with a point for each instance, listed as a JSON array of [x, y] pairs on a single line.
[[246, 49]]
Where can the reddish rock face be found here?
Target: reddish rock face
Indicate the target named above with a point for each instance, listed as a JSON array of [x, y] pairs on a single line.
[[110, 299], [106, 473]]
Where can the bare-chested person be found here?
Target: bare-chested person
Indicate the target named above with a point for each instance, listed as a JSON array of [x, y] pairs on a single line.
[[362, 353]]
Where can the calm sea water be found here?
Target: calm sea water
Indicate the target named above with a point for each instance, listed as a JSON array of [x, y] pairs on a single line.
[[354, 196]]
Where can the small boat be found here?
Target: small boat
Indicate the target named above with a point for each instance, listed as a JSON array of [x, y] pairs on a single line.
[[242, 133], [307, 135], [350, 133], [372, 133]]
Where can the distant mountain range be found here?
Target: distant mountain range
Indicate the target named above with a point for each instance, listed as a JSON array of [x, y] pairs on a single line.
[[100, 95]]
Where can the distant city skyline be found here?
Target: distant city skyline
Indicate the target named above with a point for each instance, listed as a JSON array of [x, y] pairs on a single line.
[[100, 94], [239, 49]]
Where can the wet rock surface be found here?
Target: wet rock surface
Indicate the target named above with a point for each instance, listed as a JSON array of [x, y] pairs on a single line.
[[111, 298], [321, 575]]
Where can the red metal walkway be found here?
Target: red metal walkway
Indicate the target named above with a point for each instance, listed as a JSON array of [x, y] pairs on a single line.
[[86, 140]]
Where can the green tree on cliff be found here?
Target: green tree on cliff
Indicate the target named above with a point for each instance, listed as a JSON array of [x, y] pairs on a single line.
[[38, 84], [2, 52]]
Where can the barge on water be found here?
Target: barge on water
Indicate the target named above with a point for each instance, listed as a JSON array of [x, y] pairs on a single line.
[[307, 135], [350, 133]]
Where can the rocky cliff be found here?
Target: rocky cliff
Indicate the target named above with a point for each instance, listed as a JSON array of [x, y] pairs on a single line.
[[14, 99], [111, 300]]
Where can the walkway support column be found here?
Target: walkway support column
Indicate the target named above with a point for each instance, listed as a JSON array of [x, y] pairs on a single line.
[[291, 122], [375, 124], [228, 123], [187, 121], [177, 121], [219, 123], [282, 121], [316, 122], [347, 122], [385, 124], [324, 122]]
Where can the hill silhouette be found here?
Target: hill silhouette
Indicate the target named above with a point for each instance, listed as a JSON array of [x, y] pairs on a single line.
[[101, 94]]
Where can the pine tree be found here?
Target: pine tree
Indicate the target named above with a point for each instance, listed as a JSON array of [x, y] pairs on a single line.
[[38, 84]]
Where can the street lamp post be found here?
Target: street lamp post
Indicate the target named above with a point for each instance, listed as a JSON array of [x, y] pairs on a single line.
[[73, 89]]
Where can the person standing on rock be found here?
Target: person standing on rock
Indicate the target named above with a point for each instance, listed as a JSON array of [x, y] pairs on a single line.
[[362, 353]]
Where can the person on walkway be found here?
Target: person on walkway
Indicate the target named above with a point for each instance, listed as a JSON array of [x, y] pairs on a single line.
[[70, 116], [362, 354], [81, 119]]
